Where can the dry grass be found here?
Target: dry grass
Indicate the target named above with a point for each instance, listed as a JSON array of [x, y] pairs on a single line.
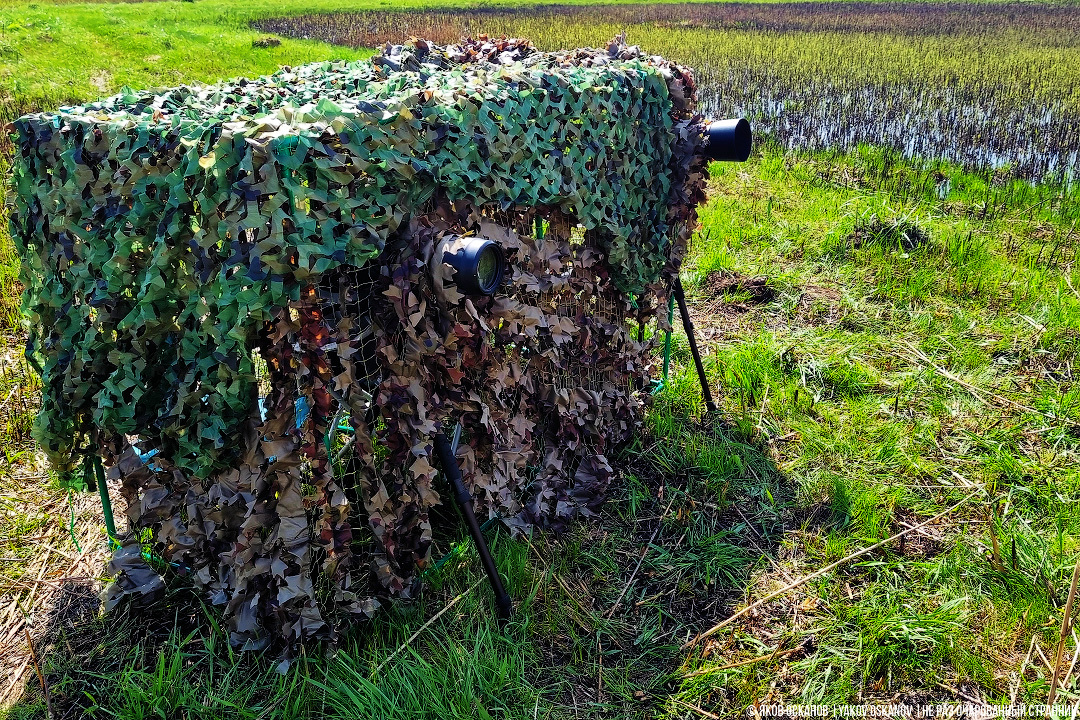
[[46, 582], [52, 547]]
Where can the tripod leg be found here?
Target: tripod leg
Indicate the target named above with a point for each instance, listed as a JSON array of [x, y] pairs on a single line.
[[449, 465], [689, 328]]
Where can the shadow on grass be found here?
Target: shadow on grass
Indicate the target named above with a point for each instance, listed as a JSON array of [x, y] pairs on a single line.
[[602, 611], [75, 608]]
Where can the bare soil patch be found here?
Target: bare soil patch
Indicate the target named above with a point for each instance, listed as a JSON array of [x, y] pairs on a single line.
[[718, 284], [729, 304]]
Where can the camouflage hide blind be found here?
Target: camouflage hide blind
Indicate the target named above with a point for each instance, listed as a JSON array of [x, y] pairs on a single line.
[[237, 298]]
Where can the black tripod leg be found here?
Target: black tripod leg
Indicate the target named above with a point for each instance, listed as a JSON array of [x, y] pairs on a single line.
[[689, 328], [449, 465]]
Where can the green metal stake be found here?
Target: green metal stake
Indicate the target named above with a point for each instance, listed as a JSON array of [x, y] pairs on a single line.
[[106, 504], [71, 525], [667, 336], [110, 523], [667, 344]]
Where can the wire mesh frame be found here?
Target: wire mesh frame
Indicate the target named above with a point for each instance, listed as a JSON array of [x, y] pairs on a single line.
[[357, 295], [352, 291], [346, 292]]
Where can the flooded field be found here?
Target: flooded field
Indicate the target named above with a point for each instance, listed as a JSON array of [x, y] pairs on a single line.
[[983, 86]]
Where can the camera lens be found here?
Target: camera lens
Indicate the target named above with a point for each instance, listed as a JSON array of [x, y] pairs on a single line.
[[488, 267], [478, 263]]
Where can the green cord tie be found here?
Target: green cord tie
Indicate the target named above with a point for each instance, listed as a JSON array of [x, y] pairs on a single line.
[[71, 525]]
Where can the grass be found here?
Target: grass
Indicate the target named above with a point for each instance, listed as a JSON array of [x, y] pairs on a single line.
[[915, 345]]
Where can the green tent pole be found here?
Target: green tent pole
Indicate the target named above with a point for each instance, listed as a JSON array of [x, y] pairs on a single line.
[[110, 523], [106, 504], [667, 336]]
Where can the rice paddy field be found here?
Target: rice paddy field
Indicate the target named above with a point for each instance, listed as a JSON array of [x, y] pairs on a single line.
[[884, 511]]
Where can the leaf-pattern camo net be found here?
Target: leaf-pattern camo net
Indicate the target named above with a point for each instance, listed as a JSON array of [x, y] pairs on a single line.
[[236, 297]]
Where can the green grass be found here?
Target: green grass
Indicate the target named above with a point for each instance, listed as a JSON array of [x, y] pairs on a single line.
[[58, 54], [914, 347], [880, 434]]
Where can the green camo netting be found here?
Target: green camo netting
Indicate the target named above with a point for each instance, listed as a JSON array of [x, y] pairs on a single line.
[[158, 230]]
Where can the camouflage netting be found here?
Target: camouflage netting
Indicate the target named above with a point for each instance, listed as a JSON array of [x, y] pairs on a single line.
[[237, 299]]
